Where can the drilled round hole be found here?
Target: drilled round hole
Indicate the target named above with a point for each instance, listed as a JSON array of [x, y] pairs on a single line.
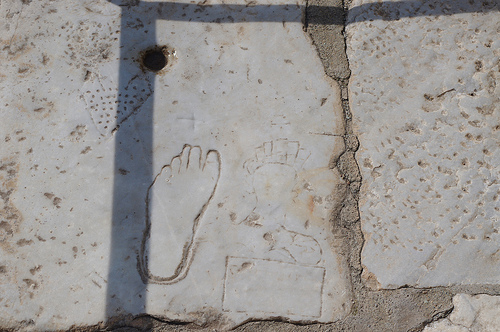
[[154, 60]]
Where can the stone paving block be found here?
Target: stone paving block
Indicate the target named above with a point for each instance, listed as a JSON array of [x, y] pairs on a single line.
[[471, 313], [167, 158], [424, 95]]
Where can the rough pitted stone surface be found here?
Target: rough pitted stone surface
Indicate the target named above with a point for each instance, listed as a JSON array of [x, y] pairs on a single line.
[[202, 192], [424, 95], [471, 313]]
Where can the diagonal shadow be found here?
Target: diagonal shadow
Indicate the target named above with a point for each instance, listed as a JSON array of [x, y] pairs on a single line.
[[126, 293], [396, 10]]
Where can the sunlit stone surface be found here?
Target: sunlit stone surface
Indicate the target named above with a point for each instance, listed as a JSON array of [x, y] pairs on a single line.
[[425, 99], [470, 313], [202, 192]]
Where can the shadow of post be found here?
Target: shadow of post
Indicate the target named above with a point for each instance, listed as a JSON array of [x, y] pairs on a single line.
[[396, 10], [133, 161]]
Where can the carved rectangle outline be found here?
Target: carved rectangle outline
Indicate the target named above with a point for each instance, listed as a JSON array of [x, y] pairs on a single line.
[[267, 312]]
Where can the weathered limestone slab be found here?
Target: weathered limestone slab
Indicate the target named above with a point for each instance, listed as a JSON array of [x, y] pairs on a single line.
[[201, 193], [425, 99], [470, 313]]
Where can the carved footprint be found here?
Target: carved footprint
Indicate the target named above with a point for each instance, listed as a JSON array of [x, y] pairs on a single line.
[[176, 202]]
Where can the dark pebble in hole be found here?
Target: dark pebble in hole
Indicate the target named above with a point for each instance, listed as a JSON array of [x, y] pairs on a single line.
[[154, 60]]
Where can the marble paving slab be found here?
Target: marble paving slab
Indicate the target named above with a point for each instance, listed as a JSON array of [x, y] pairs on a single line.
[[470, 313], [424, 95], [202, 192]]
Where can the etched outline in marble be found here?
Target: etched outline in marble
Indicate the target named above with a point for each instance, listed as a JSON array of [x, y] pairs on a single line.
[[250, 262], [106, 105], [278, 152], [190, 160], [297, 242], [276, 164]]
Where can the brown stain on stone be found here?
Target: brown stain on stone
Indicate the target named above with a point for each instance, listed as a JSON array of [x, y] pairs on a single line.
[[370, 279], [35, 269], [86, 150], [31, 284], [318, 196], [49, 195], [78, 133], [55, 200], [24, 242], [310, 204], [10, 216]]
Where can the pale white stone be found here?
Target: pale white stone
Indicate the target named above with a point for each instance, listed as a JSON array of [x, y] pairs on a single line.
[[234, 172], [296, 290], [444, 325], [464, 312], [425, 103], [471, 313]]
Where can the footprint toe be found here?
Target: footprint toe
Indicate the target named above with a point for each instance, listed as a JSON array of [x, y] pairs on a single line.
[[268, 149], [195, 158], [260, 153], [184, 158], [176, 165], [212, 163]]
